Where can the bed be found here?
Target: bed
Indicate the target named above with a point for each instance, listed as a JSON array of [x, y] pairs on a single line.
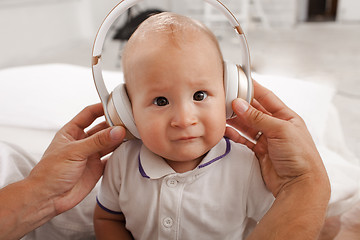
[[37, 100]]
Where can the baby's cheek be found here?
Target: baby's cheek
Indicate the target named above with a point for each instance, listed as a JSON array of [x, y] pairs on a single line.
[[219, 128], [214, 130], [151, 134]]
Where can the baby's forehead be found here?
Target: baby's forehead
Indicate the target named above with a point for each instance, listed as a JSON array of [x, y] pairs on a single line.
[[165, 31]]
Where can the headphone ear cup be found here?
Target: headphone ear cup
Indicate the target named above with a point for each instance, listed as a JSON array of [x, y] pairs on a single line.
[[236, 86], [115, 118], [120, 111], [245, 91], [231, 86]]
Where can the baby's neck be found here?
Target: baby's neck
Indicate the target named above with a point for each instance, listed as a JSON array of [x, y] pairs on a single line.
[[181, 167]]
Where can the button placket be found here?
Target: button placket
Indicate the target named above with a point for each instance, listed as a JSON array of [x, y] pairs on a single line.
[[170, 198]]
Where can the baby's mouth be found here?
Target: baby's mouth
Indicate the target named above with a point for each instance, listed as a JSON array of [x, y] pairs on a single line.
[[186, 138]]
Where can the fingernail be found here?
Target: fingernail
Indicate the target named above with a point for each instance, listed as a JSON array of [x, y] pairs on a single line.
[[240, 105], [116, 133]]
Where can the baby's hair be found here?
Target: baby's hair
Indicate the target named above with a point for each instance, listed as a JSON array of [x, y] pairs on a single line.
[[174, 27]]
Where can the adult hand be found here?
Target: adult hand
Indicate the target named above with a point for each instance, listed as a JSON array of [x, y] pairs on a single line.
[[290, 164], [72, 165], [285, 148], [67, 172]]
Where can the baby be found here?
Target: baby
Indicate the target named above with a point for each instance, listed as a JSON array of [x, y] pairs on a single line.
[[183, 179]]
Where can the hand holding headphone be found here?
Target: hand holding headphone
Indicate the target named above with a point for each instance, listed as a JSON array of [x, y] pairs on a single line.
[[117, 106]]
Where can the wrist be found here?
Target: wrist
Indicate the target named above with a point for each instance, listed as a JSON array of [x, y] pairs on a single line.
[[311, 185], [306, 200], [24, 208], [38, 206], [300, 206]]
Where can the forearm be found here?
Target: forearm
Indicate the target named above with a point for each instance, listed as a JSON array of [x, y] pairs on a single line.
[[297, 213], [24, 207]]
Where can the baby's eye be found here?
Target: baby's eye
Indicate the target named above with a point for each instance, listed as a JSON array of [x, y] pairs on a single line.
[[199, 95], [161, 101]]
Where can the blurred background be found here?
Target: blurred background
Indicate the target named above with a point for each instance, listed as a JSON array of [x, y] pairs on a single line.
[[310, 40]]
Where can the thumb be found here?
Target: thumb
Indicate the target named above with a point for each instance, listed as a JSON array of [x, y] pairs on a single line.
[[101, 140], [254, 118]]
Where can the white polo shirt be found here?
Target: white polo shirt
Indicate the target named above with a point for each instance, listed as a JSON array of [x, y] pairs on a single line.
[[214, 201]]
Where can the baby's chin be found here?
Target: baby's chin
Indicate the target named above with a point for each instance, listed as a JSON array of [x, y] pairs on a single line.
[[188, 153]]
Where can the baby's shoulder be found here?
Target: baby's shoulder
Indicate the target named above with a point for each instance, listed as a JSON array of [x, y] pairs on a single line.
[[124, 158], [127, 151], [128, 147], [240, 150], [241, 158]]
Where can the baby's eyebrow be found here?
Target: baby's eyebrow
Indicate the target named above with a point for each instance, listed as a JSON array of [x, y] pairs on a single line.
[[157, 88], [156, 91]]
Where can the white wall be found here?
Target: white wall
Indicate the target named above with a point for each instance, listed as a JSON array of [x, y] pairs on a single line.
[[32, 26], [98, 9], [348, 10]]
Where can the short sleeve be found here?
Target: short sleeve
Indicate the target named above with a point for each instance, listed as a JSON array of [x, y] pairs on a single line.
[[108, 195], [259, 198]]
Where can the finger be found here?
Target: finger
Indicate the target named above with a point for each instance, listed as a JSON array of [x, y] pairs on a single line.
[[259, 107], [108, 150], [101, 141], [87, 116], [240, 125], [256, 144], [97, 128], [244, 129], [271, 102], [255, 119], [235, 136], [261, 146]]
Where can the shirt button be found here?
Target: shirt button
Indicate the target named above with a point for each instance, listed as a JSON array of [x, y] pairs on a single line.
[[168, 222], [171, 182]]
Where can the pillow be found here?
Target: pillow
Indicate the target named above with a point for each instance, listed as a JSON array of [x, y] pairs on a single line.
[[48, 96]]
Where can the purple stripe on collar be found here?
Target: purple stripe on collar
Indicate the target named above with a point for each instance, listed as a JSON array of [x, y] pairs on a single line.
[[106, 209], [228, 148], [141, 169]]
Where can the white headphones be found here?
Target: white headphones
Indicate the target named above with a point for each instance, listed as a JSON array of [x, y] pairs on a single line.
[[117, 106]]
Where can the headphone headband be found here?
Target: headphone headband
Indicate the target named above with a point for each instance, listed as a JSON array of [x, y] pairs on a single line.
[[122, 7]]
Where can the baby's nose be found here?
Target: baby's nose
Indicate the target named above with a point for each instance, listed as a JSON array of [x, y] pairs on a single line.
[[184, 116]]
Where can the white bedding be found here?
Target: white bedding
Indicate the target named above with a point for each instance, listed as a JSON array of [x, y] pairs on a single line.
[[37, 100]]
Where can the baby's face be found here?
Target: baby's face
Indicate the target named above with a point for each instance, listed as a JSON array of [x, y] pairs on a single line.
[[178, 100]]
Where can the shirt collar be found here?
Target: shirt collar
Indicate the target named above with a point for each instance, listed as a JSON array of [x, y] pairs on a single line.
[[153, 166]]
